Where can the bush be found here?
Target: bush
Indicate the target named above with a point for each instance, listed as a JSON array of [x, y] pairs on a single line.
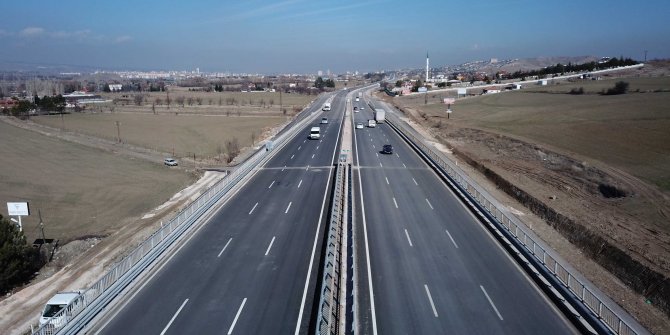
[[621, 87], [18, 260], [577, 91]]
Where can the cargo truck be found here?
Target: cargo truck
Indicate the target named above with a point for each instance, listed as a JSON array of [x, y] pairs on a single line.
[[380, 115]]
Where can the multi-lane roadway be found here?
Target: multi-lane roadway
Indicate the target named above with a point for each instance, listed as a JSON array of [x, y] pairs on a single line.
[[424, 265], [251, 269]]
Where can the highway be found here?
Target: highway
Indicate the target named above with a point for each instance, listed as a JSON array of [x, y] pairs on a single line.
[[425, 265], [251, 269]]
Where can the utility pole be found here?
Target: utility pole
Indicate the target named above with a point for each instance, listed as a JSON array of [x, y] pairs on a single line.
[[645, 56], [118, 130]]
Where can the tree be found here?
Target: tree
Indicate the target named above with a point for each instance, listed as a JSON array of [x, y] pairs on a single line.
[[232, 149], [180, 100], [18, 260], [398, 83], [318, 83], [138, 98]]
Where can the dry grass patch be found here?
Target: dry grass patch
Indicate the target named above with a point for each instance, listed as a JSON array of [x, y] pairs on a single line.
[[80, 191], [185, 135]]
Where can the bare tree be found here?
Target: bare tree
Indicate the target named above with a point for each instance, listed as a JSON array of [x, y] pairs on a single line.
[[210, 101], [158, 101], [139, 99], [220, 101], [180, 100], [190, 101], [199, 101], [271, 102], [167, 100], [153, 107], [232, 149], [253, 138]]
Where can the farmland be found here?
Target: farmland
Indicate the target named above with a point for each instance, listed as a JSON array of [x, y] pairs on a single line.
[[80, 191]]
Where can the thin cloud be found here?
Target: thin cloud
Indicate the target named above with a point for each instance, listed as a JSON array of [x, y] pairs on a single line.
[[31, 32], [330, 10], [122, 39]]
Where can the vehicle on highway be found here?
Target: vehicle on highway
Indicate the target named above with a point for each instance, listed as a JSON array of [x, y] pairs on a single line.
[[326, 107], [372, 123], [380, 115], [387, 149], [170, 162], [356, 109], [315, 133], [324, 120], [357, 99], [55, 305], [359, 125], [362, 107]]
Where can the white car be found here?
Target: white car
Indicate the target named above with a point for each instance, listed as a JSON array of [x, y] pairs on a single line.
[[324, 120], [170, 162], [362, 107], [359, 125]]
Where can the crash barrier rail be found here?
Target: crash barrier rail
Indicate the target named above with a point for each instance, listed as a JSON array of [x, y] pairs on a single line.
[[91, 301], [604, 313], [329, 302]]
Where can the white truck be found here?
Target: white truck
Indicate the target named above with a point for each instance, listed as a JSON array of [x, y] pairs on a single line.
[[380, 115], [315, 133], [372, 123], [326, 107]]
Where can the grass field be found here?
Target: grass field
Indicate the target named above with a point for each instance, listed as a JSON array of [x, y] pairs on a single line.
[[202, 135], [630, 131], [80, 190]]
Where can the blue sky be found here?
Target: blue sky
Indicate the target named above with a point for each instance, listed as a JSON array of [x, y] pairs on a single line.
[[306, 36]]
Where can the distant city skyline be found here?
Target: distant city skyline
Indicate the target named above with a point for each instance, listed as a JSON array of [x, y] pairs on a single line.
[[300, 36]]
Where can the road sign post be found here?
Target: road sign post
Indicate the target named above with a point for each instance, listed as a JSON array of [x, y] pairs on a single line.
[[18, 209]]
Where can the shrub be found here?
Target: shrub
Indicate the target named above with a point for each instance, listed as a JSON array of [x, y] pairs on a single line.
[[621, 87], [18, 260], [577, 91]]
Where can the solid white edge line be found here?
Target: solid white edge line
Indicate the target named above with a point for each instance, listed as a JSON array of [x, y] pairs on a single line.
[[289, 207], [300, 183], [272, 183], [452, 239], [252, 210], [270, 246], [430, 298], [224, 247], [174, 317], [395, 202], [429, 204], [316, 235], [408, 239], [491, 302], [239, 311]]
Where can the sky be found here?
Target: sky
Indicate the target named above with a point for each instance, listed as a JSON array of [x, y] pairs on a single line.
[[305, 36]]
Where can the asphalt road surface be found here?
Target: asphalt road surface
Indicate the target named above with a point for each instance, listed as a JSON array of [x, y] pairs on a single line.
[[252, 268], [425, 265]]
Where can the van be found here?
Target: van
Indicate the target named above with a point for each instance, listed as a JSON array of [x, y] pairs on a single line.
[[315, 133], [54, 306]]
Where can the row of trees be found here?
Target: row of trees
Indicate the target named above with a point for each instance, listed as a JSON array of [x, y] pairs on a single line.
[[321, 84], [560, 69]]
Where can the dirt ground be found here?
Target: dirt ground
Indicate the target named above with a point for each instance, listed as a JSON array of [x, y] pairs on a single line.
[[598, 163], [204, 136]]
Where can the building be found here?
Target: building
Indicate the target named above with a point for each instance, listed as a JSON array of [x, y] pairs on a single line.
[[115, 87]]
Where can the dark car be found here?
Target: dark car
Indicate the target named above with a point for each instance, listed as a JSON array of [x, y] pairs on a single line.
[[387, 149]]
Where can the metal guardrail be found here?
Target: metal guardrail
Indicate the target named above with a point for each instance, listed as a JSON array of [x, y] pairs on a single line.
[[580, 291], [329, 303], [82, 310]]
